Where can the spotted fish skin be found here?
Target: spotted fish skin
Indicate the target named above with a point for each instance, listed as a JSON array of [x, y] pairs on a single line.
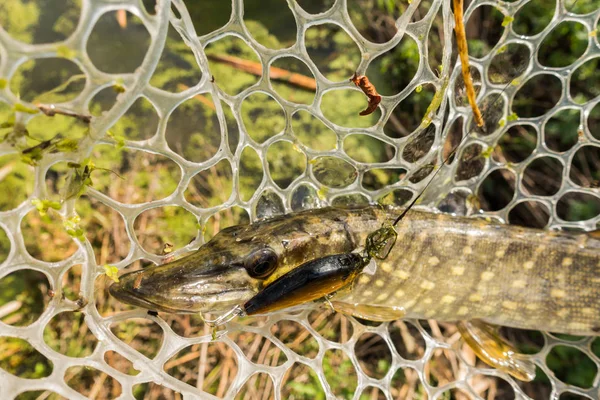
[[441, 267], [455, 268]]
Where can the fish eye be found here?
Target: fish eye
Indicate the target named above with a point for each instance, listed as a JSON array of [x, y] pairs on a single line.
[[261, 264]]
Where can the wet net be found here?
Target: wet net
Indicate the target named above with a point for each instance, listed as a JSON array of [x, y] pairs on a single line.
[[201, 125]]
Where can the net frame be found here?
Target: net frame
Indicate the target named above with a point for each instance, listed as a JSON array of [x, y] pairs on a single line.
[[13, 53]]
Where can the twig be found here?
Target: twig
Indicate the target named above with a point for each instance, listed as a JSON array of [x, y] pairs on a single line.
[[255, 68], [461, 43], [50, 110]]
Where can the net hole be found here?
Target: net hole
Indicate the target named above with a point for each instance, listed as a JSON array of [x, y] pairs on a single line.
[[105, 230], [537, 96], [38, 231], [373, 393], [16, 182], [374, 355], [170, 224], [397, 197], [250, 173], [572, 396], [118, 49], [293, 80], [296, 337], [350, 200], [421, 173], [419, 145], [484, 29], [141, 334], [471, 162], [4, 245], [491, 387], [407, 340], [83, 380], [312, 132], [286, 163], [223, 53], [543, 176], [269, 205], [314, 6], [497, 190], [492, 111], [25, 296], [176, 56], [441, 368], [435, 42], [343, 106], [516, 144], [562, 131], [152, 390], [193, 130], [186, 325], [367, 149], [322, 41], [304, 197], [585, 167], [211, 187], [223, 219], [68, 334], [509, 63], [454, 137], [39, 394], [526, 341], [258, 386], [340, 373], [332, 326], [407, 385], [297, 379], [35, 79], [538, 389], [142, 176], [140, 122], [333, 172], [575, 206], [572, 366], [532, 18], [40, 22], [120, 363], [378, 178], [383, 70], [460, 91], [258, 349], [103, 101], [531, 214], [554, 53], [21, 359], [274, 33], [584, 81], [407, 115], [263, 117]]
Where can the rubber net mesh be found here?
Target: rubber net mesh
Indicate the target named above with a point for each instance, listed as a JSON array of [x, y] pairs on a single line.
[[204, 155]]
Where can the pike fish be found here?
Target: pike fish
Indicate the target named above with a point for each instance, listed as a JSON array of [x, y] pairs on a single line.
[[442, 267]]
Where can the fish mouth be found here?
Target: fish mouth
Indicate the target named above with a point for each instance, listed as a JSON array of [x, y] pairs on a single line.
[[180, 291]]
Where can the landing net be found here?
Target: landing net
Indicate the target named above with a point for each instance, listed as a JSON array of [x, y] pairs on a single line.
[[213, 123]]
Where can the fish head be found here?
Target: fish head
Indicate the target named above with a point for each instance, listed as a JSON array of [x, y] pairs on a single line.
[[231, 268]]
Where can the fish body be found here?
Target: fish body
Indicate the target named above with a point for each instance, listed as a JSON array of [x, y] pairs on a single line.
[[441, 267]]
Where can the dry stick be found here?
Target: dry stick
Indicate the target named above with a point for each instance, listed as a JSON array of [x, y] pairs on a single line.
[[461, 43], [255, 68]]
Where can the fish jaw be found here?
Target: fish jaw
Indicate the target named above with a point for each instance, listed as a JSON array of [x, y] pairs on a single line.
[[181, 288]]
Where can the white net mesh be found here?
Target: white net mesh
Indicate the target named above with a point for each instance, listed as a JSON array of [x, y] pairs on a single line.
[[197, 155]]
